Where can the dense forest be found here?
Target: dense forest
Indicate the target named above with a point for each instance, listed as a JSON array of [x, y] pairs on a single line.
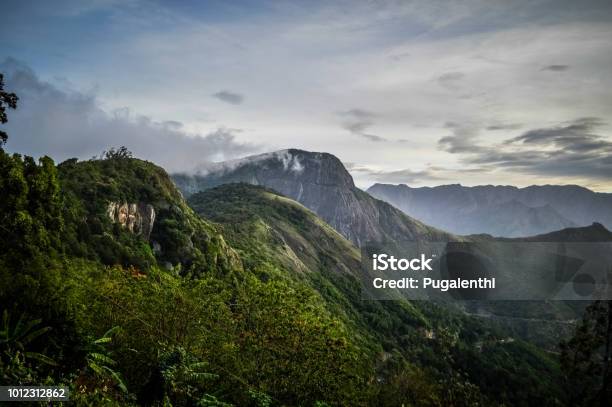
[[239, 296]]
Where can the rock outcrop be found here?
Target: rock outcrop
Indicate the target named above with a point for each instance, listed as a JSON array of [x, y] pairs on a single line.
[[138, 218]]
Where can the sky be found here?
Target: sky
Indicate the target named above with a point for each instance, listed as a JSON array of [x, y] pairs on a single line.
[[416, 92]]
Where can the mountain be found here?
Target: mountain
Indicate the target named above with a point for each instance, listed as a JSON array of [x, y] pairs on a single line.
[[499, 210], [116, 204], [276, 236], [241, 295], [320, 182], [114, 286]]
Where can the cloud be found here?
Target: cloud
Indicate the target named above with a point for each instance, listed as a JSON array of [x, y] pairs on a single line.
[[504, 126], [555, 68], [359, 114], [472, 62], [399, 56], [574, 136], [462, 140], [229, 97], [450, 80], [431, 174], [358, 121], [570, 149], [291, 162], [373, 137], [67, 123]]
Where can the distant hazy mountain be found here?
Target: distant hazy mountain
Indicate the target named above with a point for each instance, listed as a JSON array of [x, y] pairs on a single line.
[[500, 210], [320, 182]]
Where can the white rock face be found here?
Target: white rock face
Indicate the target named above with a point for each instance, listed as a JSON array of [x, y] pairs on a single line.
[[138, 218]]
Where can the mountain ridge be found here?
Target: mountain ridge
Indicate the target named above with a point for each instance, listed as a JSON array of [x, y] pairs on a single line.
[[484, 209], [320, 182], [248, 284], [287, 233]]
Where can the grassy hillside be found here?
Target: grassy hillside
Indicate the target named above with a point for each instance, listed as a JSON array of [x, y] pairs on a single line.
[[449, 353], [278, 238]]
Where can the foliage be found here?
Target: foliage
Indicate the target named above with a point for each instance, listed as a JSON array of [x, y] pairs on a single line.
[[15, 355], [7, 101], [272, 317], [121, 153], [585, 357], [99, 362], [182, 377], [281, 240]]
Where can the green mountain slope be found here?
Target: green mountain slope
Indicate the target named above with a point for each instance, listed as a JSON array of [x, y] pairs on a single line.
[[140, 301], [177, 238], [279, 238]]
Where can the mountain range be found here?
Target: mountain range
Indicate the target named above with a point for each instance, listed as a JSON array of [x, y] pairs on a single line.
[[500, 210], [268, 228], [320, 182], [245, 294]]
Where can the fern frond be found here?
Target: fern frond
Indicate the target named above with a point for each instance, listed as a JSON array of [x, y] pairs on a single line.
[[34, 334], [97, 369], [41, 358], [22, 328], [111, 331], [99, 357], [117, 378], [102, 340]]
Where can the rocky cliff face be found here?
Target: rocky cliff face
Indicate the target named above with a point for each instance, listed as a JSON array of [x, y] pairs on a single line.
[[138, 218], [320, 182]]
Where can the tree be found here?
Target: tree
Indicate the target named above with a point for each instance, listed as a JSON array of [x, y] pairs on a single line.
[[7, 101], [117, 154], [585, 358]]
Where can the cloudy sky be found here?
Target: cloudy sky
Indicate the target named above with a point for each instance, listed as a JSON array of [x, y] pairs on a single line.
[[415, 92]]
